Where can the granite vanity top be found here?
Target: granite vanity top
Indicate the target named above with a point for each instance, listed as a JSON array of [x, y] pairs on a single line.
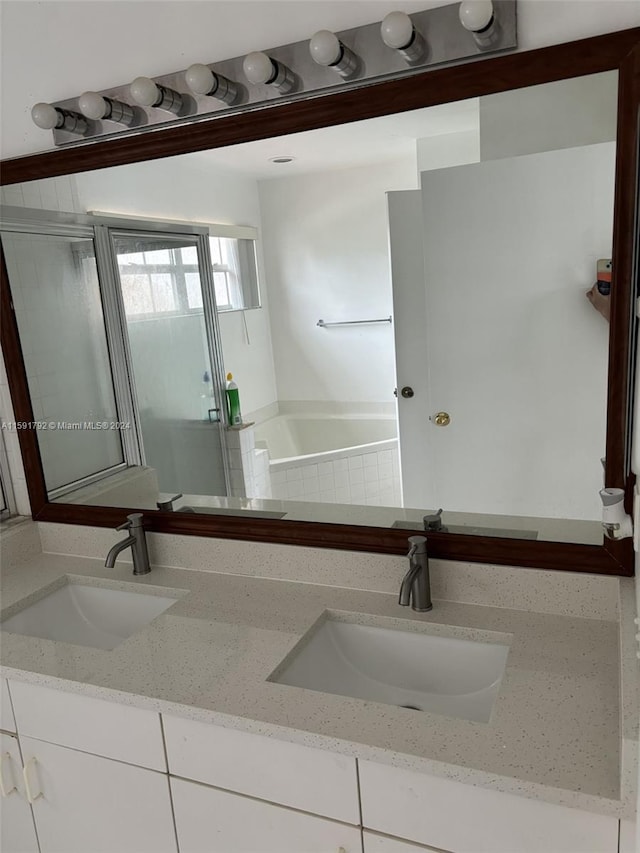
[[555, 733]]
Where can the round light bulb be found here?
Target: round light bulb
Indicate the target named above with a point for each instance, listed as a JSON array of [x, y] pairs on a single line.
[[93, 105], [397, 30], [199, 78], [325, 48], [475, 15], [45, 116], [144, 91], [258, 68]]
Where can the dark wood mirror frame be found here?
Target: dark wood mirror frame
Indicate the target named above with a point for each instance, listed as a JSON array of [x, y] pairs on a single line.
[[617, 51]]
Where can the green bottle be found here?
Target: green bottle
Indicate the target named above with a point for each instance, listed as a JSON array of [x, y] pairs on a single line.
[[233, 402]]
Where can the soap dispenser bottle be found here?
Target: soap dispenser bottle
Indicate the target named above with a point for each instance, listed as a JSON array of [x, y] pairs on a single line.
[[233, 402]]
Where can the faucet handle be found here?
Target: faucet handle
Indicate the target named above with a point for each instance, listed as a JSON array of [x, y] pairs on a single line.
[[133, 520], [417, 545], [167, 505], [433, 521]]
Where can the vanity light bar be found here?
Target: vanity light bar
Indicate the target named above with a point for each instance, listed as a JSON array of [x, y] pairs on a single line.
[[398, 46]]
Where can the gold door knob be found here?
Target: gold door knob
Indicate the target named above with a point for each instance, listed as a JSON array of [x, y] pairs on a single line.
[[441, 419]]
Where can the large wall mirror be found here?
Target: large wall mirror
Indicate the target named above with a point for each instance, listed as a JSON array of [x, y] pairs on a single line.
[[407, 304]]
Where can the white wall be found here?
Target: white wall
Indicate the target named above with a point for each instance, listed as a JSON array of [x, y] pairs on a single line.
[[448, 149], [326, 257], [564, 114], [193, 189]]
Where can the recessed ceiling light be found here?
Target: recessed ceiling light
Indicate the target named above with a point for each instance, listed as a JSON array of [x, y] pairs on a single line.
[[283, 158]]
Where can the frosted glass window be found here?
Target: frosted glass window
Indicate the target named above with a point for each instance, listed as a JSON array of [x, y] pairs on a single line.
[[162, 291], [159, 256], [194, 290], [235, 273]]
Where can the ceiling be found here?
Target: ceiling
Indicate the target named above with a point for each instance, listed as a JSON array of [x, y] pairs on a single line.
[[344, 146]]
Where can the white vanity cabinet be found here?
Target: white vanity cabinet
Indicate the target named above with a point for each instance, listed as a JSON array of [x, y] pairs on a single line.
[[462, 818], [17, 831], [212, 821], [97, 778], [94, 772]]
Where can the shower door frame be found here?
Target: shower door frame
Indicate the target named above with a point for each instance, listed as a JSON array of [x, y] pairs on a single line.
[[106, 227], [30, 221], [99, 229]]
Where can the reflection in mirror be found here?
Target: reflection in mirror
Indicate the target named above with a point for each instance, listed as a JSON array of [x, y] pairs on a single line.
[[56, 295], [478, 227]]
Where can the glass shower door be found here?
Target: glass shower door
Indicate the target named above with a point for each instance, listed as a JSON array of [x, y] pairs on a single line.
[[81, 428], [169, 327]]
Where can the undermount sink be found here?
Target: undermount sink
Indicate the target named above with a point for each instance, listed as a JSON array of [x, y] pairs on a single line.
[[423, 672], [87, 615]]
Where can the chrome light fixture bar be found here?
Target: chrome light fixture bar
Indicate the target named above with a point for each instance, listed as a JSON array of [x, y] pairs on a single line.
[[399, 46]]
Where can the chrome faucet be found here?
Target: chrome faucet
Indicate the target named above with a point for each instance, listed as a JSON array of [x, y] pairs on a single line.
[[433, 522], [136, 541], [416, 587], [167, 504]]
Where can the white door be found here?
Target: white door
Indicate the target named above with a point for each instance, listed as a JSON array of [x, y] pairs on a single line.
[[209, 820], [17, 832], [493, 328], [86, 804]]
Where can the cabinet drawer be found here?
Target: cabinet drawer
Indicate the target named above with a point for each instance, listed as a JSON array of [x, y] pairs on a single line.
[[91, 725], [7, 723], [263, 767], [466, 819], [212, 821]]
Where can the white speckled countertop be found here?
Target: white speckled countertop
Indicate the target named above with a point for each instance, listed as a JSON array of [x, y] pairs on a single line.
[[556, 729]]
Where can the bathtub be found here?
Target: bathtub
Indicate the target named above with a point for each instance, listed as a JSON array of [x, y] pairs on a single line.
[[318, 457], [298, 438]]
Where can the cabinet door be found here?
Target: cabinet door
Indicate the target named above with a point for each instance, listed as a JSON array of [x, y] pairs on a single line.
[[86, 804], [17, 832], [212, 821]]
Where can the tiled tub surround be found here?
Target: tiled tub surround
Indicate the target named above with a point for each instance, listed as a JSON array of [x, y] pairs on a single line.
[[557, 726], [368, 475], [329, 454], [248, 464]]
